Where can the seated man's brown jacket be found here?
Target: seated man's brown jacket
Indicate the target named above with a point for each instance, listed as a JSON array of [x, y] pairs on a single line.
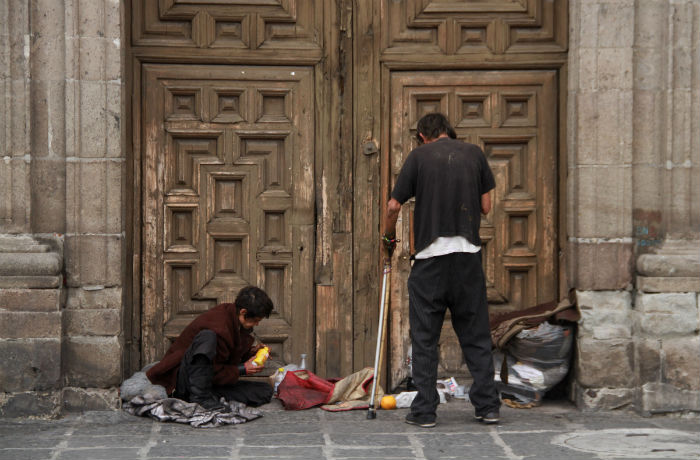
[[233, 347]]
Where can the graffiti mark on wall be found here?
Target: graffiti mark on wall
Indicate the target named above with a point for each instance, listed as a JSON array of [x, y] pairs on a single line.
[[647, 228]]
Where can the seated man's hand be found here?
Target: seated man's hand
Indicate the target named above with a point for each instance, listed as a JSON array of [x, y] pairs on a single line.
[[251, 368]]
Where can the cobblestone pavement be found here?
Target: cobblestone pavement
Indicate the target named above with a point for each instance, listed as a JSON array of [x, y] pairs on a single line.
[[552, 431]]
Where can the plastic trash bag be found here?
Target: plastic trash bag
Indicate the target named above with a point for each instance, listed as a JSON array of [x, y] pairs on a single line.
[[405, 398], [139, 385], [547, 344], [537, 359]]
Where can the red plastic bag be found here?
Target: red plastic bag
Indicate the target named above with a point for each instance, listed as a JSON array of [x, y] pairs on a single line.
[[303, 389]]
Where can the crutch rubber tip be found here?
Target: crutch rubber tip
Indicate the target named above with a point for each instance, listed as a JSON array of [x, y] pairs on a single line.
[[371, 415]]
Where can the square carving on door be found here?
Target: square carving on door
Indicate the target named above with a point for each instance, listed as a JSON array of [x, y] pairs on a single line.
[[490, 27], [233, 24]]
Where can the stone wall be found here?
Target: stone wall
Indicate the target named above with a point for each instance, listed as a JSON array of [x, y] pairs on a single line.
[[633, 207], [61, 176], [666, 322], [31, 317], [633, 201]]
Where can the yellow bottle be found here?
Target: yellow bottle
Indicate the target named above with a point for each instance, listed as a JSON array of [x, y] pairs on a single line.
[[261, 356]]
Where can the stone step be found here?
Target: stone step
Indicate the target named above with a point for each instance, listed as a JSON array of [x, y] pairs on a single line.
[[30, 264], [668, 284], [670, 265], [21, 244]]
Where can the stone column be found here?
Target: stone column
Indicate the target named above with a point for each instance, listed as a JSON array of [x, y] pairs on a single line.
[[32, 200], [14, 118], [600, 144], [634, 130], [48, 112], [681, 155], [600, 247], [94, 231], [666, 164], [666, 205], [61, 176]]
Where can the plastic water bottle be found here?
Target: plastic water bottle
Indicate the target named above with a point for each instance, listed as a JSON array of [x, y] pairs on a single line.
[[302, 364], [279, 376]]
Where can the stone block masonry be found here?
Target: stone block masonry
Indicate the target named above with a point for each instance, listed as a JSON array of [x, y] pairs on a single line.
[[31, 316], [62, 162], [668, 327], [644, 349], [605, 353], [633, 251], [666, 315]]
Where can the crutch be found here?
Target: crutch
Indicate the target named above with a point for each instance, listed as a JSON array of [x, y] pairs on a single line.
[[381, 337]]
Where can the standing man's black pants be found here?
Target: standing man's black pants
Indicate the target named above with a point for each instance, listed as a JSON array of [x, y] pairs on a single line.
[[454, 281], [200, 356]]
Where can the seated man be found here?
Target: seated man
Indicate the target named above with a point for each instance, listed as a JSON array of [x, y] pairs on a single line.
[[206, 361]]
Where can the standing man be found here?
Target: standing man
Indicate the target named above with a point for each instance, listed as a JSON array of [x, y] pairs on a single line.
[[451, 181], [207, 359]]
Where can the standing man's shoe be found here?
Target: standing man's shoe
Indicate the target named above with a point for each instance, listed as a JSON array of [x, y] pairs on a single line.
[[423, 421], [489, 418]]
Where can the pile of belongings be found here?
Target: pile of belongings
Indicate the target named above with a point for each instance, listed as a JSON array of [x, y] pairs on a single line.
[[533, 350], [143, 398], [302, 389]]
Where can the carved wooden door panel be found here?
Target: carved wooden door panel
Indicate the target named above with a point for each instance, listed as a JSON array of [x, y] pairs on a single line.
[[512, 116], [227, 193]]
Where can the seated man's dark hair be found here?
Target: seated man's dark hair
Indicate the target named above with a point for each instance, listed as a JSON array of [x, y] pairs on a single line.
[[255, 301], [433, 125]]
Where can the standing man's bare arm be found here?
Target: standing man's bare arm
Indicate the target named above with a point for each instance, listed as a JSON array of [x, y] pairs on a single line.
[[485, 203], [392, 214]]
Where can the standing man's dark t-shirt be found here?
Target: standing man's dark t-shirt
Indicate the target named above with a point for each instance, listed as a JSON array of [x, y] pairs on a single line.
[[447, 177]]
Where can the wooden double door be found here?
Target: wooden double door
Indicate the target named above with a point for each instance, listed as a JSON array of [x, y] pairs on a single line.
[[267, 134]]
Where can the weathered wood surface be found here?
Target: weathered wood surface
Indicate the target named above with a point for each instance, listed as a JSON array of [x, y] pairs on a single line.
[[368, 202], [365, 70], [334, 270]]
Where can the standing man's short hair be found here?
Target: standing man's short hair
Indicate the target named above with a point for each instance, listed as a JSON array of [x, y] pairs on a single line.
[[433, 125], [255, 301]]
